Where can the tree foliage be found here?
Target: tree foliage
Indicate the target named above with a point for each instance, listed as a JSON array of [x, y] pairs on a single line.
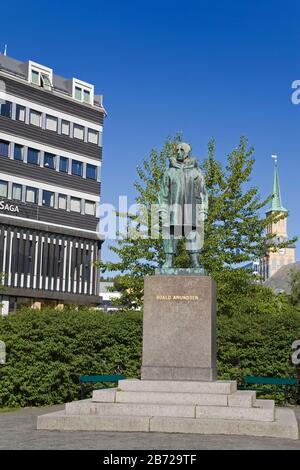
[[294, 278]]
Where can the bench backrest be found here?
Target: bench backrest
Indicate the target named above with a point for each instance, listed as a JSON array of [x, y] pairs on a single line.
[[101, 378], [270, 380]]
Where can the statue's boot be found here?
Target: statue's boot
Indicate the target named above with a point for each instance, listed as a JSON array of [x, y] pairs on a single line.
[[195, 260], [169, 261]]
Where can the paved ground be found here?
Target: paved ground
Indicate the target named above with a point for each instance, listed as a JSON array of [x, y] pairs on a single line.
[[18, 431]]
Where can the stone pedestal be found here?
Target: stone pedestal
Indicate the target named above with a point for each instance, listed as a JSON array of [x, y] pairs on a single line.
[[179, 340]]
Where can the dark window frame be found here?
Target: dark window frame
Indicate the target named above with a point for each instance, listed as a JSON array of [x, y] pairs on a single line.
[[80, 164], [5, 144], [50, 194], [50, 156], [36, 153], [6, 105], [21, 147], [67, 161], [89, 166]]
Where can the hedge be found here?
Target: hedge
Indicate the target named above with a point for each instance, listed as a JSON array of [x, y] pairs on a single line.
[[47, 350]]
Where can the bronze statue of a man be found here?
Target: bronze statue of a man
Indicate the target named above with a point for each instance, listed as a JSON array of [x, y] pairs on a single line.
[[183, 206]]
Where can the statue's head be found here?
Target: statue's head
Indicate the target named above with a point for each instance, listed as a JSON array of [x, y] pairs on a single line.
[[182, 151]]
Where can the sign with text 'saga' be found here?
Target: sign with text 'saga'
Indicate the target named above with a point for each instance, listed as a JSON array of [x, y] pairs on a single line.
[[7, 207]]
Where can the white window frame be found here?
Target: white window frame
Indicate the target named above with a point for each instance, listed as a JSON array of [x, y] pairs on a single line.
[[94, 206], [5, 183], [64, 121], [84, 86], [29, 188], [51, 119], [41, 70], [14, 185], [93, 132], [79, 128], [64, 197], [33, 111], [80, 204]]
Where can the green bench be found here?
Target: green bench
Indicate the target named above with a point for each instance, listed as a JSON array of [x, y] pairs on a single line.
[[277, 385], [84, 379]]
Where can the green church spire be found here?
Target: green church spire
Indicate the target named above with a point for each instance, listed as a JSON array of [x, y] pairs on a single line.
[[276, 204]]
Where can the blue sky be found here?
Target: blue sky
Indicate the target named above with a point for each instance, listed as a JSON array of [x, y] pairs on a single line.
[[217, 69]]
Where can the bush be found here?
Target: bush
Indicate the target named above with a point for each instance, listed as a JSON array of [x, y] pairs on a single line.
[[47, 350], [257, 344]]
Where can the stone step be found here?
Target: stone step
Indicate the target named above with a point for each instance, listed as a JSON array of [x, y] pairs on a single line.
[[262, 403], [235, 413], [106, 395], [284, 426], [62, 422], [171, 398], [219, 386], [242, 398], [87, 407]]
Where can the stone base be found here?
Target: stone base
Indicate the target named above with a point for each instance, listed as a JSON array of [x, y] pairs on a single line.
[[175, 407], [179, 339]]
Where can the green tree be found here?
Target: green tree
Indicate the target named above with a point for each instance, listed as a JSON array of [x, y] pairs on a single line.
[[294, 280], [235, 232]]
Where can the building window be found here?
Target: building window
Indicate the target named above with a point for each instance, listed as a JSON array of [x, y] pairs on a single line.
[[75, 204], [41, 79], [49, 160], [35, 77], [48, 198], [45, 81], [32, 195], [91, 172], [20, 113], [4, 148], [93, 136], [17, 192], [64, 164], [65, 127], [51, 123], [3, 188], [5, 108], [35, 118], [78, 93], [18, 152], [83, 91], [90, 208], [76, 168], [62, 201], [33, 156], [78, 132], [87, 96]]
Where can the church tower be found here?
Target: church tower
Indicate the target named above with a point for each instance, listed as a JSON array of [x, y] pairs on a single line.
[[273, 261]]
